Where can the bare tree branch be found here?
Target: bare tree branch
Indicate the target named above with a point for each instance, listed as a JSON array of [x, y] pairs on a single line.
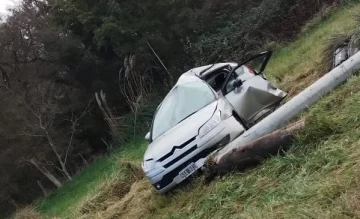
[[74, 124], [32, 135]]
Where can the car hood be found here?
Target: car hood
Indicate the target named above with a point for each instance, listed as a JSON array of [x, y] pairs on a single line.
[[179, 134]]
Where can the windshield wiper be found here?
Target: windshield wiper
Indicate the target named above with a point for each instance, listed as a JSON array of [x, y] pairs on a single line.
[[187, 116]]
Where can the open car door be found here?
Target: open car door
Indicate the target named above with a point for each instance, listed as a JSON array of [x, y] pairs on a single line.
[[249, 92]]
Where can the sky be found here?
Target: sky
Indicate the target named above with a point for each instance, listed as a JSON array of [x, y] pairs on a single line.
[[4, 4]]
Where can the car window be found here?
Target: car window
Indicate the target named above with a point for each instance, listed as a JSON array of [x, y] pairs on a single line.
[[216, 81], [240, 72], [181, 102], [244, 73], [256, 63]]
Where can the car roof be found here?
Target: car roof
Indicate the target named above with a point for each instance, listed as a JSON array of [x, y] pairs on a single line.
[[194, 74], [210, 68]]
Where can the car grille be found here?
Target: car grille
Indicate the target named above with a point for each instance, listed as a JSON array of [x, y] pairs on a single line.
[[166, 156], [169, 177], [181, 156]]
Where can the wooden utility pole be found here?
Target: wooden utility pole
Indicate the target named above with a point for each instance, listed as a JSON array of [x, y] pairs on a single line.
[[254, 152]]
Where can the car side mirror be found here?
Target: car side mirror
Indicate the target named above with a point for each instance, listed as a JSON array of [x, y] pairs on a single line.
[[238, 83], [147, 136]]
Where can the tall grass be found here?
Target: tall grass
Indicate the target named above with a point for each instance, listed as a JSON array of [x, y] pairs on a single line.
[[300, 63]]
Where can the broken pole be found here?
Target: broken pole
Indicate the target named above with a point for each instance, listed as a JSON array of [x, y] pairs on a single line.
[[255, 152]]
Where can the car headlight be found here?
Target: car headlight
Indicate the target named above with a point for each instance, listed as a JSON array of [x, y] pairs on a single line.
[[151, 169], [211, 124], [148, 165]]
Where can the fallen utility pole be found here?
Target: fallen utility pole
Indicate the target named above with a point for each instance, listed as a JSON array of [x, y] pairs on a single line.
[[291, 109], [256, 151]]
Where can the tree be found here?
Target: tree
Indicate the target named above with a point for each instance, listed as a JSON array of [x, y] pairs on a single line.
[[44, 106], [45, 111]]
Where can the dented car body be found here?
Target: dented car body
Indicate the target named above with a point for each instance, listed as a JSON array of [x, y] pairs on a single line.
[[207, 108]]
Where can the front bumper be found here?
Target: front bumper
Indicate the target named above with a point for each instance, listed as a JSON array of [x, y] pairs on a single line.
[[195, 152]]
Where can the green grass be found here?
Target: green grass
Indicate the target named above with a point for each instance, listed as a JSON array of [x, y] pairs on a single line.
[[299, 62], [66, 199], [317, 178]]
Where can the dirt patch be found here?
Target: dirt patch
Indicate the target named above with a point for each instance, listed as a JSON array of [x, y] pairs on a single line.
[[110, 192], [136, 203], [122, 197]]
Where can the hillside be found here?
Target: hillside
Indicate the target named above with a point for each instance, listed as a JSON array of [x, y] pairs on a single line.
[[318, 178]]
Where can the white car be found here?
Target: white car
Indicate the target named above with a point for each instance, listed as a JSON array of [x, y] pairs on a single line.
[[207, 108]]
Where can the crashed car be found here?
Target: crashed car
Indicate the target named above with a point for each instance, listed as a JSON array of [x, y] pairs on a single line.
[[207, 108]]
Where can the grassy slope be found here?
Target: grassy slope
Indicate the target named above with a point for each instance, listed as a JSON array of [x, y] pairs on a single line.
[[318, 178], [65, 201], [294, 65]]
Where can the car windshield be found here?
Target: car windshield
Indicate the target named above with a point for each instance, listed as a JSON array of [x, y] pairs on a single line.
[[183, 101]]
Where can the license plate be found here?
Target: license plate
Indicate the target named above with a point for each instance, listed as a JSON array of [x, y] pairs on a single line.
[[185, 173]]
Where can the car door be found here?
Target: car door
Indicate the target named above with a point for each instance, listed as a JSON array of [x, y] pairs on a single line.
[[248, 90]]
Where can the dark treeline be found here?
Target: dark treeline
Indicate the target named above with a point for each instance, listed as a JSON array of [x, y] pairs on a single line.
[[56, 54]]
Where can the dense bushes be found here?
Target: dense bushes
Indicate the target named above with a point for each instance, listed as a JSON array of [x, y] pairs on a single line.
[[241, 32]]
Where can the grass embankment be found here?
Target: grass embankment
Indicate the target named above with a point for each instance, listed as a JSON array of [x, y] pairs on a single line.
[[318, 178]]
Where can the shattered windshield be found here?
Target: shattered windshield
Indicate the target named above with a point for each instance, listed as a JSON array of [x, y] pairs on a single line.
[[183, 101]]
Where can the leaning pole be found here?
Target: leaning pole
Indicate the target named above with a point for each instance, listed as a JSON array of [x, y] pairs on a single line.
[[295, 106]]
